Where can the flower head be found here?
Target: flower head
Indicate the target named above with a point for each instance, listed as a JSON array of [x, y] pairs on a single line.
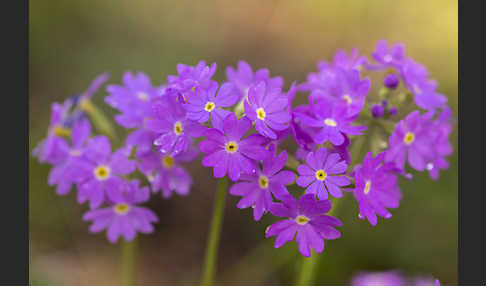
[[165, 173], [306, 217], [228, 153], [206, 103], [123, 217], [267, 107], [256, 189], [412, 138], [323, 173], [189, 78], [376, 187], [331, 121], [100, 171], [388, 278]]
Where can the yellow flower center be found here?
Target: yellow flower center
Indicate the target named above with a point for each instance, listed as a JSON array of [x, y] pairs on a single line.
[[330, 122], [231, 147], [263, 182], [61, 131], [348, 99], [302, 219], [209, 106], [142, 96], [261, 113], [102, 172], [193, 88], [168, 162], [367, 187], [178, 128], [75, 152], [121, 209], [86, 105], [409, 138], [321, 175]]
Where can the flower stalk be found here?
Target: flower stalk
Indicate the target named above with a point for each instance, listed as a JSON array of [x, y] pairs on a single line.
[[128, 262]]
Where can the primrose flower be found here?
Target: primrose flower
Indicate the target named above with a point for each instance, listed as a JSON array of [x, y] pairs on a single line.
[[174, 130], [165, 173], [442, 147], [64, 174], [306, 217], [267, 107], [388, 56], [412, 138], [190, 77], [204, 103], [124, 217], [228, 153], [323, 173], [243, 78], [376, 187], [416, 78], [343, 61], [256, 189], [51, 148], [331, 120], [99, 171], [388, 278]]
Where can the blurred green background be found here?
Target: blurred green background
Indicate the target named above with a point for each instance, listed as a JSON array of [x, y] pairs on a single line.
[[73, 41]]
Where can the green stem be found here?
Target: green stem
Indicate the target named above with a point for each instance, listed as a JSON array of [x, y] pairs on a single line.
[[214, 235], [128, 261], [308, 264]]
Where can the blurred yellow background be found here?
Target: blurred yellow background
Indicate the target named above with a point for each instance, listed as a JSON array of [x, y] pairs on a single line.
[[73, 41]]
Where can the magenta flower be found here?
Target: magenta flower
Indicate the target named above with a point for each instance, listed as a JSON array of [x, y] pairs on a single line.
[[123, 217], [65, 173], [243, 78], [376, 187], [341, 60], [174, 130], [256, 189], [441, 128], [165, 173], [416, 78], [306, 217], [389, 56], [267, 107], [228, 153], [331, 120], [204, 103], [323, 173], [99, 171], [190, 77], [388, 278], [52, 148], [411, 138]]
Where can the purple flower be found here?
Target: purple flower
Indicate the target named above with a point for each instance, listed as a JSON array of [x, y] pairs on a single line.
[[228, 153], [389, 278], [392, 111], [205, 103], [391, 81], [306, 217], [51, 148], [322, 174], [441, 128], [123, 217], [388, 56], [341, 60], [132, 99], [332, 121], [416, 78], [377, 110], [164, 172], [411, 138], [267, 107], [243, 78], [174, 130], [64, 174], [376, 187], [190, 77], [256, 189], [426, 281], [99, 171]]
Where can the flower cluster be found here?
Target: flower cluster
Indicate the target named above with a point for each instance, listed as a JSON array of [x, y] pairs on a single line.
[[348, 137]]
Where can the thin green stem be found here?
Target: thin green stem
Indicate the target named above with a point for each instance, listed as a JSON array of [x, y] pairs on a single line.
[[210, 259], [128, 261], [306, 274]]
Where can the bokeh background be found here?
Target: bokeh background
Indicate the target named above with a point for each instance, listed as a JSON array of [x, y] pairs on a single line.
[[73, 41]]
